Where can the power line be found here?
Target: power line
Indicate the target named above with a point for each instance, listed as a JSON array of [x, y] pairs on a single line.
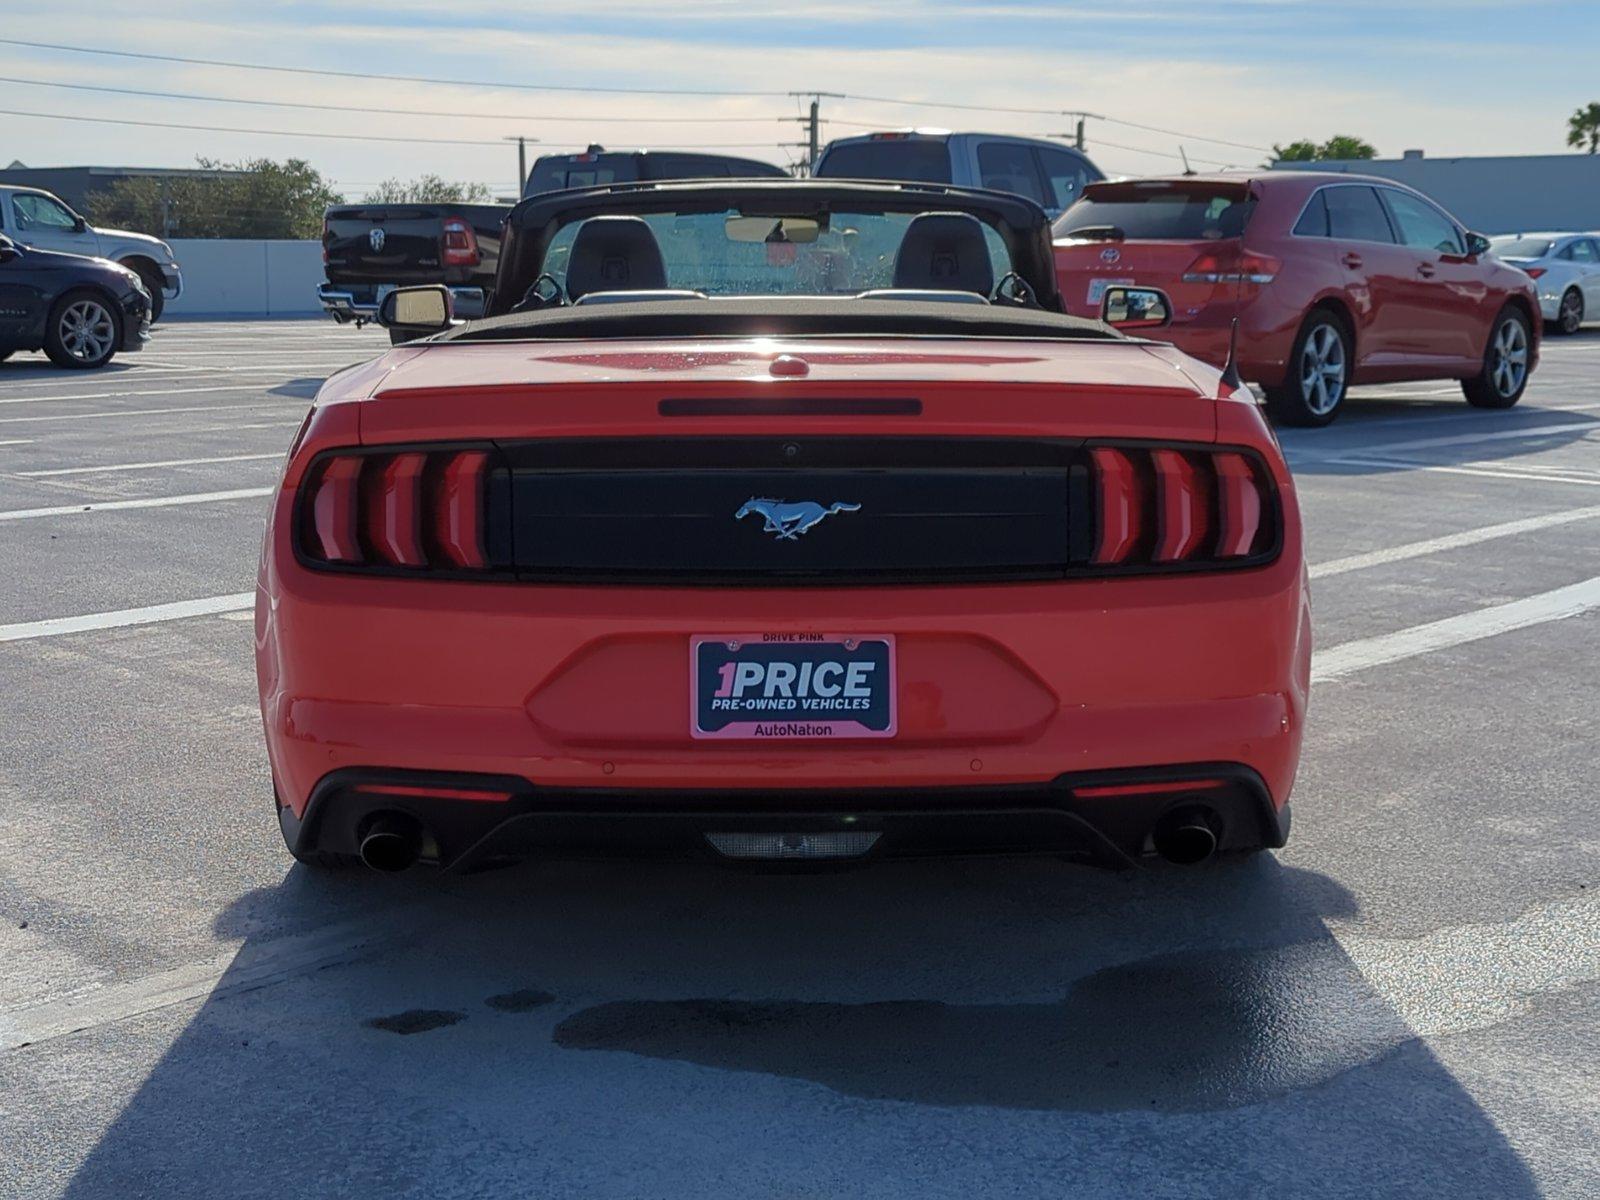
[[626, 91], [477, 83], [349, 137], [393, 112]]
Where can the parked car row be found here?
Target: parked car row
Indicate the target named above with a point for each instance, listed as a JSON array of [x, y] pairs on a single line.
[[1565, 267], [80, 311]]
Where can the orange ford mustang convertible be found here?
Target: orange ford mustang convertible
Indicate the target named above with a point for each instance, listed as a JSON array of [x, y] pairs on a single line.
[[781, 520]]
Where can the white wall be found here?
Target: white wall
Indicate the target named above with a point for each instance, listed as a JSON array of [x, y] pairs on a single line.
[[247, 277]]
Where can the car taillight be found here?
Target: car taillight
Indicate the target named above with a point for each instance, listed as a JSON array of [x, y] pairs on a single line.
[[1535, 272], [419, 510], [327, 233], [459, 244], [1232, 266], [1158, 507]]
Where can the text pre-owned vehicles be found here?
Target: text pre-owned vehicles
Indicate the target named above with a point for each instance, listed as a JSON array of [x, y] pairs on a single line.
[[1048, 173], [370, 249], [781, 520], [1565, 269], [30, 217], [79, 311], [1334, 280]]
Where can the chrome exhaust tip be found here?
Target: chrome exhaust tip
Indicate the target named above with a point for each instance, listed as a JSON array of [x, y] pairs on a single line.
[[1187, 835], [391, 842]]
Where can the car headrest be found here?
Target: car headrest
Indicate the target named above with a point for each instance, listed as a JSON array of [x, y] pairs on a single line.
[[944, 251], [614, 254]]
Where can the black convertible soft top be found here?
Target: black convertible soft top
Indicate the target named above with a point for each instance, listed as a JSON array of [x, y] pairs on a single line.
[[780, 316], [533, 224]]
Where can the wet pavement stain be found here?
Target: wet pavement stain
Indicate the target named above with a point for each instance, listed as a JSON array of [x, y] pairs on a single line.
[[1181, 1033], [519, 1001], [416, 1020]]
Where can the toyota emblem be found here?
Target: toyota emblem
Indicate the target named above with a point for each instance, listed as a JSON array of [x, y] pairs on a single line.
[[1110, 254]]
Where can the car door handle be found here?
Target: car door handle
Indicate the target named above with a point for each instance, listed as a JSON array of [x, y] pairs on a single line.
[[1425, 270], [1352, 261]]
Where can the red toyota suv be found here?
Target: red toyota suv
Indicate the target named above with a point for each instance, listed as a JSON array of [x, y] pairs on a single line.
[[1335, 279]]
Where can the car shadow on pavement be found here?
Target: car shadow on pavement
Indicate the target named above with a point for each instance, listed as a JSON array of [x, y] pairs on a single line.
[[1396, 436], [622, 1030]]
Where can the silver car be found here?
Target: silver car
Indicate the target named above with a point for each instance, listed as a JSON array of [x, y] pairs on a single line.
[[1566, 269]]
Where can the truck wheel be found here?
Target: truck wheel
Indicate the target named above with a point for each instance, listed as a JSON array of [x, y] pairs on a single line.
[[1505, 364], [84, 330], [153, 284]]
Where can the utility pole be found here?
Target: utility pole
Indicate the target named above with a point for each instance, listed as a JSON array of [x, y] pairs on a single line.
[[813, 138], [522, 158], [1078, 141], [813, 126]]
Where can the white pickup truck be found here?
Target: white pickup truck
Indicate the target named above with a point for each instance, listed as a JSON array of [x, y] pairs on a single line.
[[31, 217]]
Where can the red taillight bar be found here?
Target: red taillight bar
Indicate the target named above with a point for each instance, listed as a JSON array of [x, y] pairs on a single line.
[[1238, 505], [1119, 510], [458, 515], [1181, 504], [334, 510], [1173, 787], [396, 531]]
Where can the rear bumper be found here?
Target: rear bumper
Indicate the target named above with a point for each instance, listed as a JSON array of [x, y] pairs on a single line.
[[1066, 816], [583, 691], [350, 302]]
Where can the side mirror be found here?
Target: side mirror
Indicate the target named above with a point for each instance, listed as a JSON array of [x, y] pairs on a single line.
[[1135, 308], [1477, 245], [79, 225], [417, 308]]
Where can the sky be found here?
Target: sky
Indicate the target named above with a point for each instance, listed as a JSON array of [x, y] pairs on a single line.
[[1222, 79]]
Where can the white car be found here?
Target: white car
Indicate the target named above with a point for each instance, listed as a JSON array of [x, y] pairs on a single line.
[[32, 217], [1566, 269]]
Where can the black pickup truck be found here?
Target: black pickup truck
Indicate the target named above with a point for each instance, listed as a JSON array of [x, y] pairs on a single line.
[[370, 249]]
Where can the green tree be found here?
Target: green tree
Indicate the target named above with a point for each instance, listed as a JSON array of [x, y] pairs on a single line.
[[1340, 146], [256, 198], [1583, 127], [428, 189]]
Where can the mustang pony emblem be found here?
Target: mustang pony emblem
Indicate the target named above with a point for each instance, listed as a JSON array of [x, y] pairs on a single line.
[[788, 520]]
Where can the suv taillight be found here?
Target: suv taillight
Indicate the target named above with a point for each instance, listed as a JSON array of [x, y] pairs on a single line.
[[420, 510], [327, 235], [1232, 266], [1160, 507], [458, 244]]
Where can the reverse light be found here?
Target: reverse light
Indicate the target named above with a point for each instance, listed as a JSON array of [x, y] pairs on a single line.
[[458, 246], [415, 510]]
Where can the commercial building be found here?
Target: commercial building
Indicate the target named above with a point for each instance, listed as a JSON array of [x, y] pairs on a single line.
[[1501, 194]]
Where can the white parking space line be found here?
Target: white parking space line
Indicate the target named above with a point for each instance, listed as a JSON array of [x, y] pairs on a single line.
[[1526, 433], [63, 510], [1346, 659], [165, 391], [17, 442], [142, 466], [1451, 541], [153, 412], [148, 615], [1486, 472]]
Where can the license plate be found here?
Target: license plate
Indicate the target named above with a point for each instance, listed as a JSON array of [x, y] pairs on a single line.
[[1097, 287], [791, 686]]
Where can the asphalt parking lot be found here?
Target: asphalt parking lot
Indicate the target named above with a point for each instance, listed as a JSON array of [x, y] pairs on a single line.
[[1403, 1003]]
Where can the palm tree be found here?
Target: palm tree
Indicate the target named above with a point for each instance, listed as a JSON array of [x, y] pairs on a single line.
[[1583, 126]]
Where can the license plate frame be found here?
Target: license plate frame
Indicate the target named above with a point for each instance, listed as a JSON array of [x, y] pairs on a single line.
[[1098, 286], [714, 675]]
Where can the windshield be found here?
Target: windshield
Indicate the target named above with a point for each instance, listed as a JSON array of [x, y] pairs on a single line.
[[916, 160], [1167, 213], [832, 254], [1521, 247]]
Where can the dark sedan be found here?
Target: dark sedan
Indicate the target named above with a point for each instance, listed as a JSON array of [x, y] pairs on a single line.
[[80, 311]]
